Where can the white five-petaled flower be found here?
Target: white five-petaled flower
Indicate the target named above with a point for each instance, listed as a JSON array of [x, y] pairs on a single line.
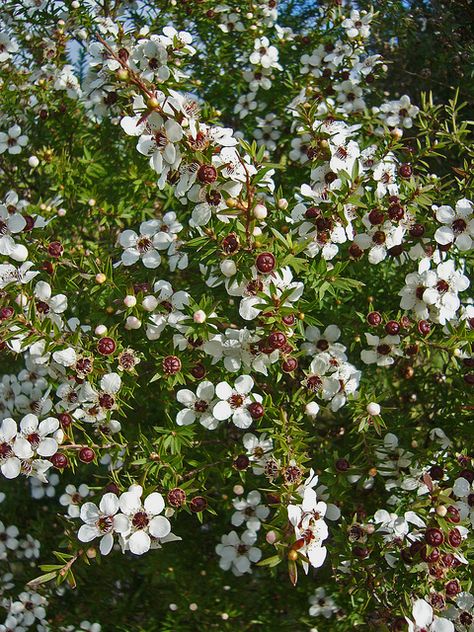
[[144, 246], [238, 553], [264, 55], [307, 519], [258, 449], [99, 522], [13, 141], [48, 305], [250, 511], [11, 224], [7, 47], [358, 24], [322, 604], [458, 225], [383, 350], [234, 402], [20, 448], [139, 521], [73, 497], [426, 621], [399, 113], [198, 406]]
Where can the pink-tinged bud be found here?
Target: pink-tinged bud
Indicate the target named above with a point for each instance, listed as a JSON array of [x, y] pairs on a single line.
[[199, 317], [130, 300]]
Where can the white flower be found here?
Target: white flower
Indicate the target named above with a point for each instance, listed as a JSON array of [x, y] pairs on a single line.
[[426, 621], [250, 511], [463, 612], [258, 450], [10, 274], [139, 523], [33, 437], [464, 490], [443, 298], [399, 113], [48, 305], [144, 246], [161, 147], [358, 25], [198, 406], [379, 239], [31, 606], [324, 342], [13, 141], [8, 539], [9, 464], [245, 104], [168, 305], [7, 47], [65, 357], [264, 54], [307, 520], [99, 522], [344, 154], [282, 282], [322, 604], [383, 350], [73, 497], [11, 224], [396, 526], [235, 401], [237, 553], [458, 226]]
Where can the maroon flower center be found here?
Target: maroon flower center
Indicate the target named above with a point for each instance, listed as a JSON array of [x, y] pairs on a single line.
[[42, 307], [106, 401], [459, 226], [342, 152], [254, 286], [383, 349], [442, 286], [105, 524], [144, 244], [236, 400], [201, 406], [34, 439], [322, 345], [5, 450], [314, 383], [140, 520]]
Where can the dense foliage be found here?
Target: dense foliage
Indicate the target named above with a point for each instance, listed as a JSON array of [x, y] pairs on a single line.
[[235, 323]]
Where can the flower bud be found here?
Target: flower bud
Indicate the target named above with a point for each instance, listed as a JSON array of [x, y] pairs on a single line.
[[238, 490], [133, 322], [130, 300], [441, 511], [100, 330], [21, 300], [373, 409], [199, 317], [271, 537], [282, 203], [33, 161], [260, 211], [100, 278], [228, 267], [312, 409]]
